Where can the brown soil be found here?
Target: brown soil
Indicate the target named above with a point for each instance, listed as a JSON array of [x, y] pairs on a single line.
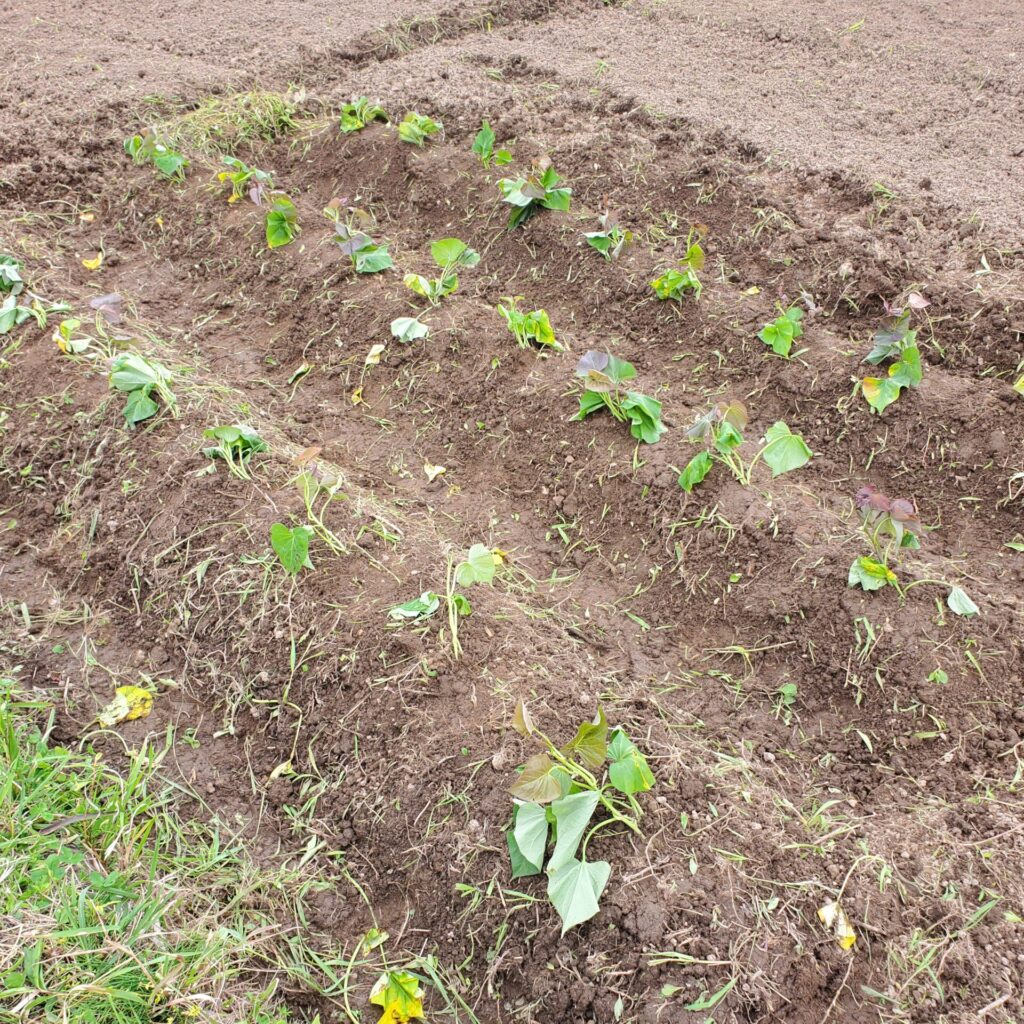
[[681, 614]]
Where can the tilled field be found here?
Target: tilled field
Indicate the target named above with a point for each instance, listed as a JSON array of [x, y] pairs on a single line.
[[811, 742]]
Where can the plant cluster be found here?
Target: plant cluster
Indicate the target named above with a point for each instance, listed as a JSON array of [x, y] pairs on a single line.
[[483, 146], [675, 282], [366, 255], [236, 445], [780, 334], [355, 116], [539, 190], [140, 379], [478, 566], [721, 427], [148, 149], [417, 128], [896, 341], [245, 180], [611, 239], [450, 255], [559, 793], [603, 377], [530, 327]]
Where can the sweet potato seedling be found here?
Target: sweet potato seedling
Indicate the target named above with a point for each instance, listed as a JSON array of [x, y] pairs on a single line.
[[236, 445], [282, 221], [780, 334], [483, 146], [140, 379], [560, 790], [896, 341], [675, 282], [610, 240], [245, 181], [603, 377], [147, 149], [366, 256], [534, 327], [478, 566], [417, 128], [539, 190], [722, 428], [451, 255], [355, 116]]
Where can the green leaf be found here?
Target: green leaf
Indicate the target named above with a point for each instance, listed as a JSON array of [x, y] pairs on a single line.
[[601, 241], [483, 144], [415, 128], [572, 816], [421, 607], [629, 771], [696, 470], [960, 604], [907, 371], [880, 392], [461, 604], [281, 222], [291, 546], [784, 450], [130, 371], [453, 252], [408, 328], [538, 782], [372, 259], [575, 890], [590, 742], [139, 406], [869, 574], [590, 401], [477, 568], [530, 831], [644, 413]]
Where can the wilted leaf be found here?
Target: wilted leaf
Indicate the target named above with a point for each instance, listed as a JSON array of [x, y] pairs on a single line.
[[400, 996], [477, 568], [95, 263], [129, 703], [960, 604], [695, 471], [833, 917], [433, 472], [373, 356], [869, 574], [408, 328], [522, 720], [784, 451], [421, 607]]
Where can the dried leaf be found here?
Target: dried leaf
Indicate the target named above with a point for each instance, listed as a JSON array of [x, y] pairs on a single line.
[[129, 703], [522, 720], [433, 472], [833, 917], [373, 356]]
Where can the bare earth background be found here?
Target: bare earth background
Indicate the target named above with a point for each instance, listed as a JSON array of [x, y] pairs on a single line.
[[845, 153], [925, 97]]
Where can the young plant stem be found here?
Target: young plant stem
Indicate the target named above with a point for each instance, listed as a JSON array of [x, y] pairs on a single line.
[[453, 612]]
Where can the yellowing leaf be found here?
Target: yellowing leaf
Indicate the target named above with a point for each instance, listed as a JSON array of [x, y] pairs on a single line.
[[399, 995], [357, 396], [500, 556], [159, 221], [833, 917], [233, 198], [87, 218], [752, 290], [95, 263], [129, 703], [373, 356], [871, 387], [433, 472], [1019, 386]]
